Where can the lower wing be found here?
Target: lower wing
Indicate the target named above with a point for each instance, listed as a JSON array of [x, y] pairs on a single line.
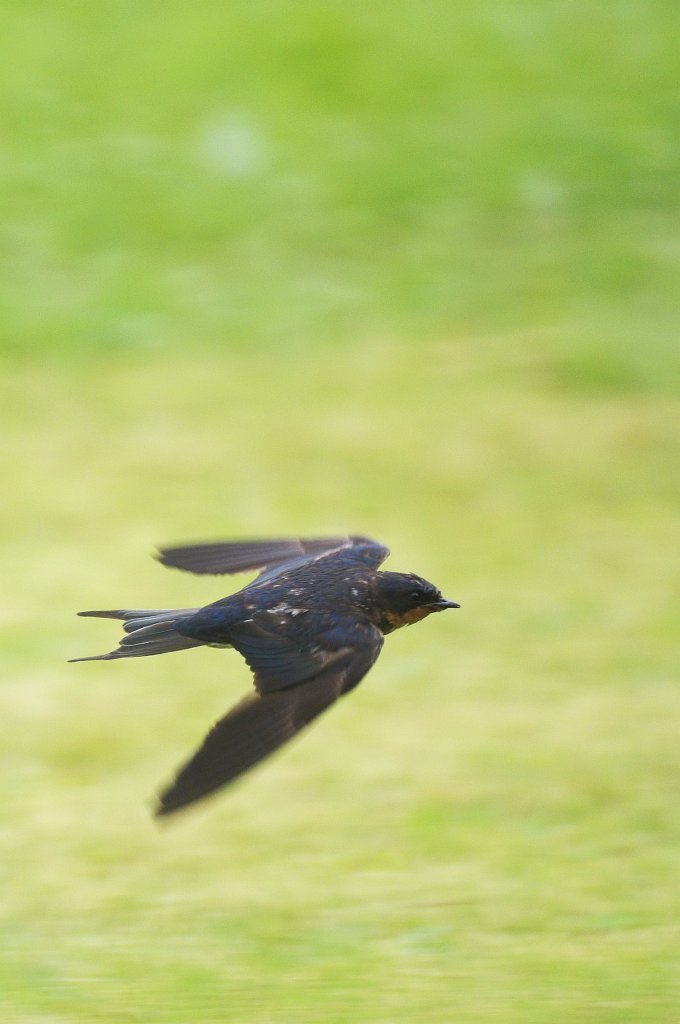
[[257, 726]]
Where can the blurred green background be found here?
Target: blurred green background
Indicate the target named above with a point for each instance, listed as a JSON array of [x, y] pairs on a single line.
[[404, 269]]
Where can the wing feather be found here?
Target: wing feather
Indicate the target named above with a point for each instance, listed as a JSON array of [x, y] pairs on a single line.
[[226, 557], [257, 726]]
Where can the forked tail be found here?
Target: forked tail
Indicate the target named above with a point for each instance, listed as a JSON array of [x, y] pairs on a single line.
[[147, 632]]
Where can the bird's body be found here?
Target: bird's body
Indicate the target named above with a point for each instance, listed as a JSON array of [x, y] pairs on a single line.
[[309, 626]]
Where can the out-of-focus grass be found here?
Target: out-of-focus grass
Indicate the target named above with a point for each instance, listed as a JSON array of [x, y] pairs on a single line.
[[403, 270], [486, 830], [267, 171]]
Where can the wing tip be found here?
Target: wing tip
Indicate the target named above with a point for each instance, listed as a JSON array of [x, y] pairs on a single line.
[[161, 811], [162, 555], [183, 557], [169, 802]]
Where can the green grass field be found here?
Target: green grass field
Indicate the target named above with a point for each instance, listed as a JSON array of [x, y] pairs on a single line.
[[404, 270]]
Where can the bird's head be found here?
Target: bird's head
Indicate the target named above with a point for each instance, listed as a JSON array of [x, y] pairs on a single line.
[[405, 598]]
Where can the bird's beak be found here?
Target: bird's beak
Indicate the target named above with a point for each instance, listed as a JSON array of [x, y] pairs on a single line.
[[442, 603]]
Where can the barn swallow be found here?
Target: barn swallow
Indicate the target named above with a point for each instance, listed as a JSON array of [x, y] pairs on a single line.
[[309, 626]]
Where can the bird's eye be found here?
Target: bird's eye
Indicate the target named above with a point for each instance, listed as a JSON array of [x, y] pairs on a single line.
[[416, 595]]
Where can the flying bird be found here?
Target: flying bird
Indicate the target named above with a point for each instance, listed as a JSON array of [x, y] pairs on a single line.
[[309, 626]]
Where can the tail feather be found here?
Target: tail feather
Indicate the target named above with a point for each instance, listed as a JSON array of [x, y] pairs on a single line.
[[130, 614], [147, 632], [154, 631]]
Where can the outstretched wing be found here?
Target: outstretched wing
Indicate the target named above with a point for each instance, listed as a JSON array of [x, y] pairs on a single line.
[[223, 557], [260, 724]]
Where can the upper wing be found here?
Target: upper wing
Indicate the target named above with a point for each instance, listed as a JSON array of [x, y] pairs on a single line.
[[259, 725], [278, 662], [224, 557]]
